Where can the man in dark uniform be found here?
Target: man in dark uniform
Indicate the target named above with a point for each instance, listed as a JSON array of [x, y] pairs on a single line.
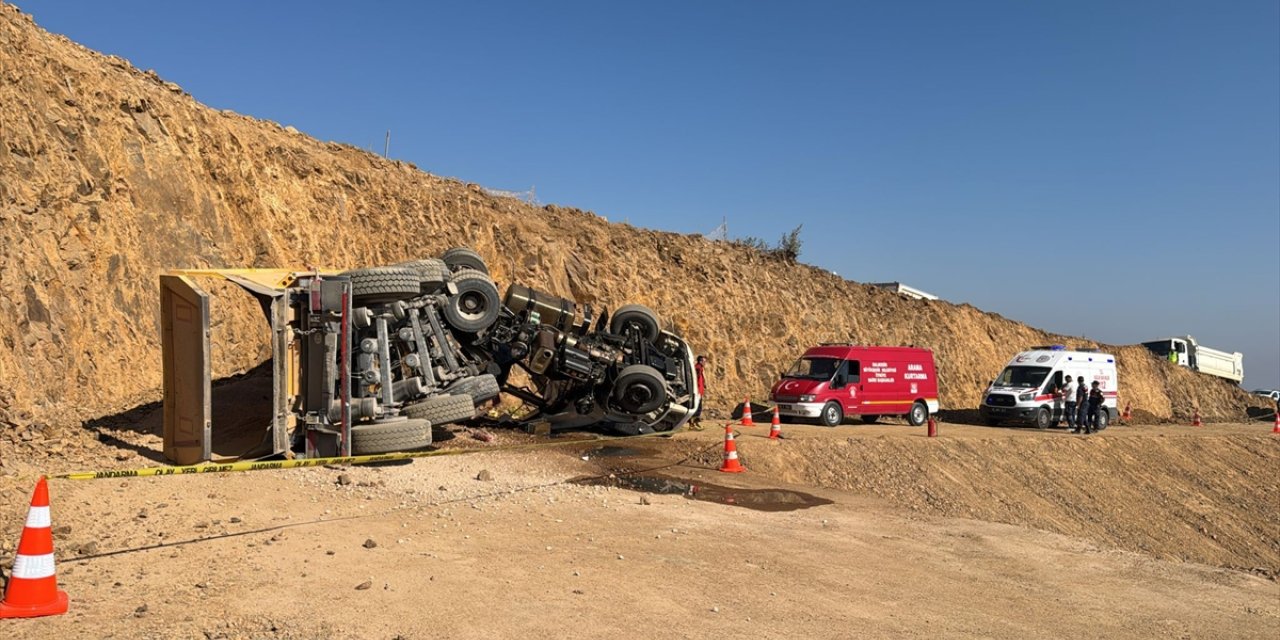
[[1082, 405], [1095, 405]]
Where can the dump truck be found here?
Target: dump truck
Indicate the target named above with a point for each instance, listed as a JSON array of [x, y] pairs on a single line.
[[1186, 352], [370, 360]]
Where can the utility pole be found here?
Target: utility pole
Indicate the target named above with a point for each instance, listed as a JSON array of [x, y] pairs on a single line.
[[386, 146]]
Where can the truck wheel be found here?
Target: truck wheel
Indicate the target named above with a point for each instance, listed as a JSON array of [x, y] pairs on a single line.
[[870, 418], [481, 388], [400, 435], [919, 414], [636, 316], [1043, 418], [442, 409], [463, 258], [476, 305], [832, 414], [639, 389], [382, 284], [433, 273]]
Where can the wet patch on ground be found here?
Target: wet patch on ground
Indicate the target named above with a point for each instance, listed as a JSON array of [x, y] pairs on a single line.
[[755, 499]]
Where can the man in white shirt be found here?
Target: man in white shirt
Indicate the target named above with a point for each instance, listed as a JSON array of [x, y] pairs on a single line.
[[1069, 404]]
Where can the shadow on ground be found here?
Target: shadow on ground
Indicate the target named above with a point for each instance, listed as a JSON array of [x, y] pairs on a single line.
[[241, 413]]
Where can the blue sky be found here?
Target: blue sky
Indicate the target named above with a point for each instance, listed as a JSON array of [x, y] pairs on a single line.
[[1092, 168]]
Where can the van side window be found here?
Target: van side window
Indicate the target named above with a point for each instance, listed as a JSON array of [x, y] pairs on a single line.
[[1054, 382], [855, 371]]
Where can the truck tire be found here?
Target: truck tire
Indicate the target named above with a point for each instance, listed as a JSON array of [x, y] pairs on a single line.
[[639, 389], [387, 437], [636, 316], [919, 414], [481, 388], [463, 258], [442, 409], [433, 273], [1044, 419], [476, 305], [382, 284], [870, 418], [832, 415]]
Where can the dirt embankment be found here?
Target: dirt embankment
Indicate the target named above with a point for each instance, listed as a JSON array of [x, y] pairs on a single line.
[[112, 174], [1207, 498]]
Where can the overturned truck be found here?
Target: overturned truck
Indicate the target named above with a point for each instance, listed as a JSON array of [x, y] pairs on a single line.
[[371, 360]]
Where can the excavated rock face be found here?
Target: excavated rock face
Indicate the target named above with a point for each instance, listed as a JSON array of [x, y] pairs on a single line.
[[109, 175]]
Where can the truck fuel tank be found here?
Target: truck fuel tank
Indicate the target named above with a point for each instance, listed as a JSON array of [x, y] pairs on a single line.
[[551, 310]]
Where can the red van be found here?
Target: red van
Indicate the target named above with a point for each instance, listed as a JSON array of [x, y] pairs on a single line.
[[832, 381]]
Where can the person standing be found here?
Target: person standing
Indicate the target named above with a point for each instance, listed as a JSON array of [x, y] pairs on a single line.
[[1082, 403], [699, 368], [1095, 405], [1069, 404]]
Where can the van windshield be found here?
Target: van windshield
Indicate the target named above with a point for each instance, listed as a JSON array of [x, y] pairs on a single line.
[[1018, 376], [814, 368]]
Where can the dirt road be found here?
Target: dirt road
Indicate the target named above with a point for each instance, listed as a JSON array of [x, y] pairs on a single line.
[[528, 553]]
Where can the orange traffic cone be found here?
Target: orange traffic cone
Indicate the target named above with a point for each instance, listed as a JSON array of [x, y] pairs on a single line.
[[33, 587], [1276, 429], [1126, 416], [731, 464], [775, 428], [746, 414], [1195, 418]]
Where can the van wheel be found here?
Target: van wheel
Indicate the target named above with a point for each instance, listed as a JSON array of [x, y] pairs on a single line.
[[1043, 419], [870, 418], [918, 415], [832, 414], [1104, 418]]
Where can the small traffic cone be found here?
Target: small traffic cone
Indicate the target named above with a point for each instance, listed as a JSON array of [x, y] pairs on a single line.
[[1276, 429], [33, 587], [1195, 418], [1126, 416], [933, 427], [731, 464], [746, 414], [775, 428]]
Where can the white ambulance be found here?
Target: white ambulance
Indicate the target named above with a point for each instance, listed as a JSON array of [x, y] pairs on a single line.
[[1023, 392]]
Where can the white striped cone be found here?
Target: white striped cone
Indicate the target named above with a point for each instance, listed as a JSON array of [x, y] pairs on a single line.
[[731, 464], [746, 414], [33, 586]]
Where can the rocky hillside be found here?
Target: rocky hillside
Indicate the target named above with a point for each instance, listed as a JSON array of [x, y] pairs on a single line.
[[111, 174]]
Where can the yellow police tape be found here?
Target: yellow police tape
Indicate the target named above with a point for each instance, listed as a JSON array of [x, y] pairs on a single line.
[[260, 465]]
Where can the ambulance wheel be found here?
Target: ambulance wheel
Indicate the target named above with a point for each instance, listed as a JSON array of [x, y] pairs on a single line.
[[870, 418], [832, 415], [918, 415], [1043, 419], [1104, 418]]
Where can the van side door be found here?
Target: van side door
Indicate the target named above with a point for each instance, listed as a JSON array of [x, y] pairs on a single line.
[[850, 394]]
